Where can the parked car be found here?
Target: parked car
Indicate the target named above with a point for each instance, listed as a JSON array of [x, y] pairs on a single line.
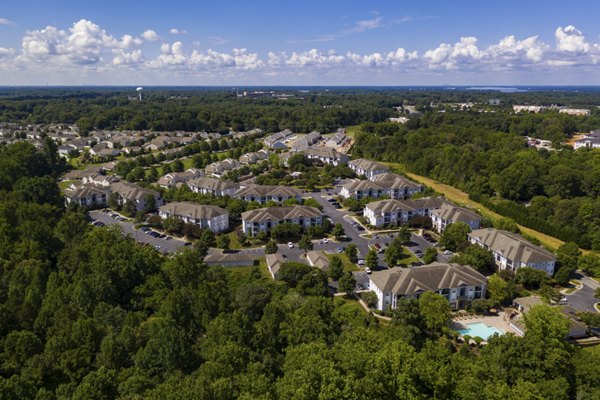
[[325, 240], [290, 245], [361, 261], [447, 252], [340, 250], [368, 270]]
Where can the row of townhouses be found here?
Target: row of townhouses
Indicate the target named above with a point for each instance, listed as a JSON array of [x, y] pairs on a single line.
[[459, 284], [93, 195], [205, 216], [264, 219], [386, 184], [511, 251]]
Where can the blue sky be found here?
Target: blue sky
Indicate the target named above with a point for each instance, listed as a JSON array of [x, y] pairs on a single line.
[[301, 42]]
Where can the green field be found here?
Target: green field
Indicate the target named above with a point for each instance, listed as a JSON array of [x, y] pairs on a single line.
[[262, 267], [348, 266], [352, 130]]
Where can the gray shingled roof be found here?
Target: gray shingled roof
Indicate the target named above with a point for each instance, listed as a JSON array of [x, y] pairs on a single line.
[[268, 190], [212, 184], [368, 165], [450, 212], [512, 246], [431, 277], [192, 210], [280, 213]]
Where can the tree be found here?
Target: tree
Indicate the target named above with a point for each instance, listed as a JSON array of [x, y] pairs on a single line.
[[430, 255], [351, 252], [436, 311], [567, 257], [477, 257], [336, 268], [371, 261], [498, 289], [370, 298], [531, 278], [305, 243], [590, 264], [393, 253], [223, 242], [271, 247], [149, 203], [338, 231], [347, 283], [403, 234], [455, 236], [173, 224]]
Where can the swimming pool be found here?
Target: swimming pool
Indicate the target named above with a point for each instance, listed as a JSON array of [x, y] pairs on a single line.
[[479, 329]]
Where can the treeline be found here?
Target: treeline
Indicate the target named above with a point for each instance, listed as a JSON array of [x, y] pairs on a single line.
[[467, 150], [520, 213]]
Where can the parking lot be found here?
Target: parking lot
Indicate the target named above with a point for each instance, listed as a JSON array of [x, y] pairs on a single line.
[[164, 245]]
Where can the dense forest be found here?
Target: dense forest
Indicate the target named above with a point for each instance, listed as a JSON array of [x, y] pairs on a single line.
[[218, 109], [555, 191], [86, 313]]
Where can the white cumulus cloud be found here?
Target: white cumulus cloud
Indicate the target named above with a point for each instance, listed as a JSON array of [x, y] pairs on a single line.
[[150, 35], [175, 31]]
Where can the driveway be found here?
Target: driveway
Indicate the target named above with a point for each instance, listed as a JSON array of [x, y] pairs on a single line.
[[583, 299], [337, 216], [164, 246]]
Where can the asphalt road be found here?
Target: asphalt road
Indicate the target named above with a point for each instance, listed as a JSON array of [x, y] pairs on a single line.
[[583, 299], [164, 246]]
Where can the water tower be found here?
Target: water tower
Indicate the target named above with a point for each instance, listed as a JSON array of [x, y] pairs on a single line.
[[139, 90]]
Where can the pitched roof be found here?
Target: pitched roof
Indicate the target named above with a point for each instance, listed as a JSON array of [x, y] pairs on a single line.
[[280, 213], [383, 206], [362, 185], [318, 259], [325, 152], [450, 212], [196, 211], [395, 181], [368, 165], [431, 277], [512, 246], [274, 262], [217, 258], [212, 184], [268, 190], [86, 191], [131, 191]]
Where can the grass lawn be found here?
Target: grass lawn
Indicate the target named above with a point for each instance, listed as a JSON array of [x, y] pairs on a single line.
[[350, 303], [65, 184], [234, 243], [348, 266], [593, 349], [407, 257], [262, 267], [352, 130], [462, 198]]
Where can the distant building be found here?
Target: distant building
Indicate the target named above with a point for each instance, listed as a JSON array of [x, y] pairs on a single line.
[[220, 168], [575, 111], [139, 196], [266, 193], [89, 196], [367, 168], [511, 251], [448, 214], [326, 155], [397, 212], [264, 219], [337, 140], [389, 185], [205, 216], [173, 178], [213, 186], [459, 284], [529, 109]]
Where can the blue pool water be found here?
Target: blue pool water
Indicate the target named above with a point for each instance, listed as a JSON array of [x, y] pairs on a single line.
[[479, 329]]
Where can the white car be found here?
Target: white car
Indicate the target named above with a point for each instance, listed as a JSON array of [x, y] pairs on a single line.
[[361, 261], [325, 240], [447, 252], [367, 270], [290, 245]]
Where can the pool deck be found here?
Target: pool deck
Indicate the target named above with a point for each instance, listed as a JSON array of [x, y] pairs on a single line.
[[497, 321]]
